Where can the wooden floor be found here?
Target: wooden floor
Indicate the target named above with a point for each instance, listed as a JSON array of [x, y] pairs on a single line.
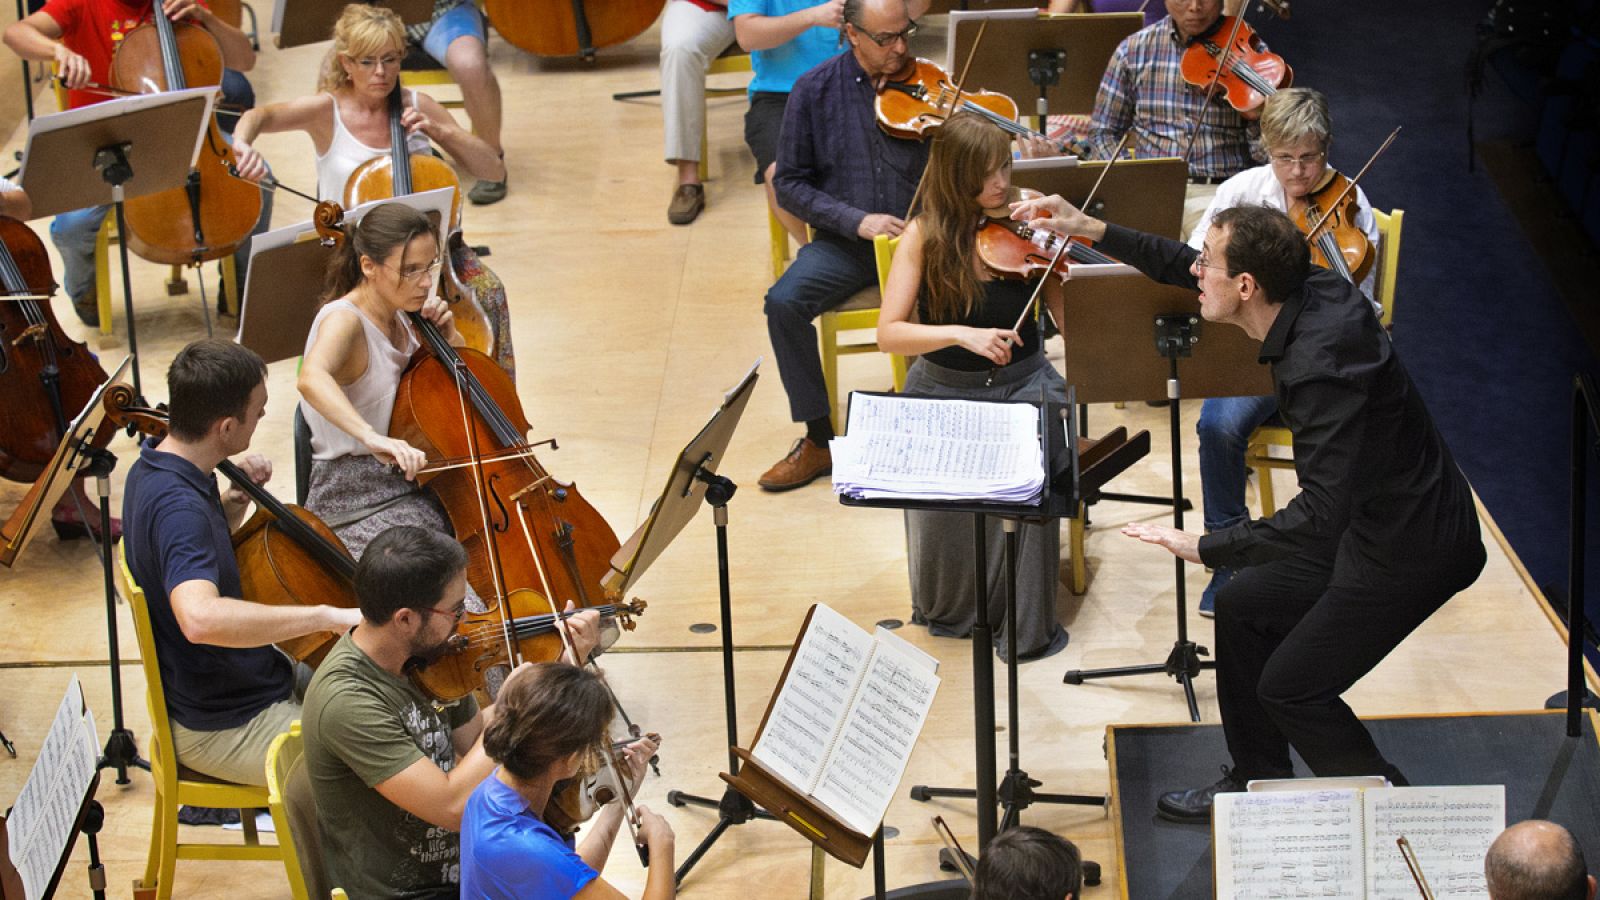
[[627, 332]]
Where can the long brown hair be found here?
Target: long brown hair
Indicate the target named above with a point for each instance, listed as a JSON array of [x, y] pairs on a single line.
[[966, 152], [383, 229]]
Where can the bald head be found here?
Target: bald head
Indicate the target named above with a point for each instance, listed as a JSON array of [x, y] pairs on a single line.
[[1537, 860]]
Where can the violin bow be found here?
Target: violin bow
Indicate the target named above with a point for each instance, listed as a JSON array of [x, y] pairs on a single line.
[[1415, 867], [954, 846], [1211, 87], [1312, 231], [965, 67]]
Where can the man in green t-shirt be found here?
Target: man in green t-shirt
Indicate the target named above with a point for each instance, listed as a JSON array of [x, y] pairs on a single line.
[[391, 769]]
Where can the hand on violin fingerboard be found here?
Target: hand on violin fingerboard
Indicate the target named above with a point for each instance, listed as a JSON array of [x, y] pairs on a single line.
[[583, 633]]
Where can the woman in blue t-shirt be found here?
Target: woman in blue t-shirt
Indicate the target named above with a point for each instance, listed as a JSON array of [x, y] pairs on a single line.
[[547, 723]]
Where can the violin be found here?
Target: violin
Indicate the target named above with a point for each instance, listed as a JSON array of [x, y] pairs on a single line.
[[1012, 250], [1241, 65], [212, 214], [1337, 243], [399, 173], [571, 27], [913, 106], [45, 376], [287, 556]]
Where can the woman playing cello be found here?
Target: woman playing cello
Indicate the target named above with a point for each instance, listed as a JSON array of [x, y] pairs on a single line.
[[348, 122], [943, 305]]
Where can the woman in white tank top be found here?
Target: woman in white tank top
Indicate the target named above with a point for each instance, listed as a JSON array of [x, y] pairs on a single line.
[[348, 122]]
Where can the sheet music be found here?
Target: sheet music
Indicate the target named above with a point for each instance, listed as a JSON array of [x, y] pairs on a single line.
[[939, 449], [1450, 828], [1289, 844], [875, 744], [813, 700], [46, 810]]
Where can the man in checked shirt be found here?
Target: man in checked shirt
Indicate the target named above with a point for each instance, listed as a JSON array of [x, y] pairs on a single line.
[[1143, 92]]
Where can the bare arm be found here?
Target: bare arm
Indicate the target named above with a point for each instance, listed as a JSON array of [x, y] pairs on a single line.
[[435, 796], [17, 205], [900, 332], [310, 114], [207, 617], [338, 358], [471, 151], [38, 38], [766, 32]]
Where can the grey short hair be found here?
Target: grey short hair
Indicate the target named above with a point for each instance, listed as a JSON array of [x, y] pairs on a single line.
[[1295, 113]]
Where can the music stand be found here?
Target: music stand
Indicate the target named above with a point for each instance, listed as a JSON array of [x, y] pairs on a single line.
[[1058, 60], [138, 145], [938, 7], [312, 20], [1142, 194], [282, 286], [694, 478], [55, 804], [1110, 325]]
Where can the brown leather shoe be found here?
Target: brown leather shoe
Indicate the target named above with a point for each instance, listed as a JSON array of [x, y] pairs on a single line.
[[805, 463], [687, 202]]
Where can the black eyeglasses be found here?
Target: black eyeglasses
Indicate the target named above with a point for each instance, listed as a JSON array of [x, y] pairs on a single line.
[[886, 38]]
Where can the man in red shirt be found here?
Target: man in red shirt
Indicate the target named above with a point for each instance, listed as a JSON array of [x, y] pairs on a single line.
[[80, 37]]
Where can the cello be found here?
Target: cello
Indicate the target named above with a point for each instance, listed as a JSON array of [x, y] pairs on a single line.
[[398, 173], [212, 214], [286, 555], [571, 27]]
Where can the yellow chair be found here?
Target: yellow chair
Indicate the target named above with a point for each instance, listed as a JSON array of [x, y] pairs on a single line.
[[859, 313], [421, 78], [175, 785], [294, 817], [1258, 455], [727, 62]]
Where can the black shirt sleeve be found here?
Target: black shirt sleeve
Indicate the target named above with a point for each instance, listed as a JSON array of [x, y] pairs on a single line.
[[1161, 259]]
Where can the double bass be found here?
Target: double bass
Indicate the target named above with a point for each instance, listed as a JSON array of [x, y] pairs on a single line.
[[212, 213], [571, 27], [398, 173]]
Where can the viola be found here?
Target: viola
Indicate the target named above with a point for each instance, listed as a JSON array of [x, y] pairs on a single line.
[[1338, 243], [571, 27], [399, 173], [1238, 63], [286, 555], [212, 214], [38, 362], [1012, 250]]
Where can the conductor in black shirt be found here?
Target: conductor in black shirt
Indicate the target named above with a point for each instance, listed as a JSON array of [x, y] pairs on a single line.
[[1383, 532]]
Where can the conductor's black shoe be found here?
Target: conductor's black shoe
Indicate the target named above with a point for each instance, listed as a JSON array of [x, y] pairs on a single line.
[[1194, 804]]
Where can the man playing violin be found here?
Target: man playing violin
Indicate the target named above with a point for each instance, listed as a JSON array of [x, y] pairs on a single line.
[[851, 182], [1297, 131], [1383, 532], [391, 768], [228, 691], [1143, 95], [80, 37]]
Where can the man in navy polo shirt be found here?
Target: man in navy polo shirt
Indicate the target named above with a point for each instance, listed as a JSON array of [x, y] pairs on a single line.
[[229, 692]]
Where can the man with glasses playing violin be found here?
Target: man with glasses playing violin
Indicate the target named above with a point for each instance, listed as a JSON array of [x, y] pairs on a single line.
[[80, 37], [229, 693], [850, 181], [1143, 95], [1297, 130], [392, 768]]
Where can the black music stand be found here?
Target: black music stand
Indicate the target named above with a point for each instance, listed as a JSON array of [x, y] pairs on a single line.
[[54, 806], [694, 478], [299, 22], [138, 145], [1058, 60], [1059, 500], [1115, 319]]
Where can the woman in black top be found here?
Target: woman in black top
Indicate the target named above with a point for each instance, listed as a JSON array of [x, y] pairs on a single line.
[[944, 307]]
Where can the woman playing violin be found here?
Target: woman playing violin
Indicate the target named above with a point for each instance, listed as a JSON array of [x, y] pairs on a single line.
[[1297, 132], [548, 723], [942, 305], [348, 122], [362, 480]]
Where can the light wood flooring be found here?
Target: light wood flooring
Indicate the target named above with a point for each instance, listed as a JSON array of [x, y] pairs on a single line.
[[627, 331]]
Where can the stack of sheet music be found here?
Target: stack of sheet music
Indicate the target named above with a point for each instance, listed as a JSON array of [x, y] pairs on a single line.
[[912, 448]]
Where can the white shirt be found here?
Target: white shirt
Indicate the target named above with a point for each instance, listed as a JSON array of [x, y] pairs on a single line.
[[1260, 187]]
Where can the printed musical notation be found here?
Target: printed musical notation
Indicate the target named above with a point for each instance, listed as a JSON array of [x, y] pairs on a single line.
[[1450, 830], [909, 447], [812, 703], [1288, 844], [46, 811]]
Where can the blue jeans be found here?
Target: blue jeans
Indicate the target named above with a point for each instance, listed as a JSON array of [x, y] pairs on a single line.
[[1224, 427], [74, 232], [463, 21], [824, 274]]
